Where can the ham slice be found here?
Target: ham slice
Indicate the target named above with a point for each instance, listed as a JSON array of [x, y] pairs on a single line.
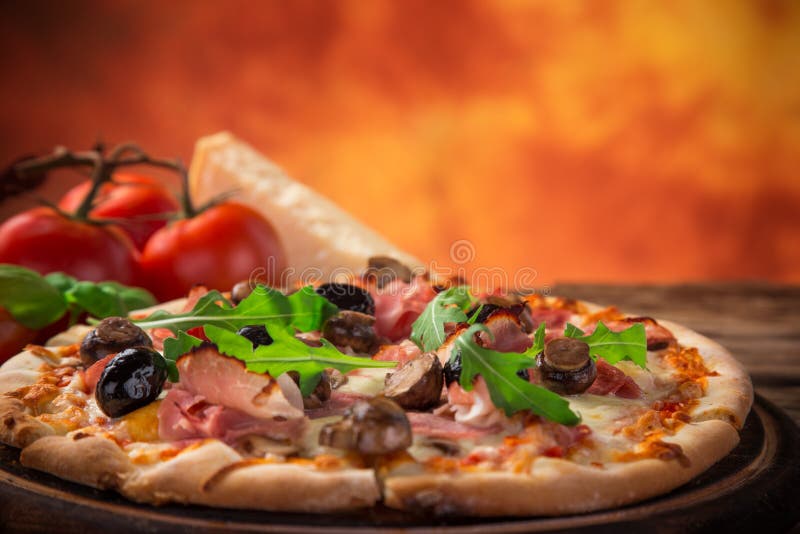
[[402, 353], [612, 381], [185, 416], [507, 333], [554, 319], [224, 380], [218, 397], [440, 426], [398, 304]]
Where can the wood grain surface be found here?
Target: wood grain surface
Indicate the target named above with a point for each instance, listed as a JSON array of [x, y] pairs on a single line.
[[758, 322]]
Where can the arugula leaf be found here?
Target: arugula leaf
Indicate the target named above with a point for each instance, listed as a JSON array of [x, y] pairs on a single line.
[[29, 298], [538, 341], [629, 344], [174, 348], [304, 310], [508, 391], [287, 353], [449, 306]]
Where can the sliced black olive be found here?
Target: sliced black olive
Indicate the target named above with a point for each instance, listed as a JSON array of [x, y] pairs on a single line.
[[373, 426], [256, 333], [132, 379], [241, 290], [384, 269], [418, 384], [111, 335], [348, 297], [321, 393], [452, 369], [566, 366], [352, 329]]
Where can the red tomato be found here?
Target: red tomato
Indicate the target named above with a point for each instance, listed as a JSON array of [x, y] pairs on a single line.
[[13, 336], [93, 373], [128, 197], [217, 248], [45, 241]]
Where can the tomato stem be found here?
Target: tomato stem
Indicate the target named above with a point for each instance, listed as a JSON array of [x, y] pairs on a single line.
[[123, 155]]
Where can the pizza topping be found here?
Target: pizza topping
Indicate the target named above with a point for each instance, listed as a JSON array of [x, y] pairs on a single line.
[[132, 379], [373, 426], [474, 407], [240, 291], [348, 297], [111, 335], [448, 307], [399, 304], [505, 334], [612, 381], [438, 426], [658, 337], [225, 381], [384, 269], [418, 384], [183, 415], [566, 367], [256, 333], [402, 353], [321, 393], [351, 329]]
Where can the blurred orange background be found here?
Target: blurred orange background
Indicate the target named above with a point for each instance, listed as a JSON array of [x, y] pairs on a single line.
[[597, 141]]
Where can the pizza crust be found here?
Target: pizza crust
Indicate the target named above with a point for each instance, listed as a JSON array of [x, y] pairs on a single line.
[[556, 487], [89, 460], [17, 427], [729, 396]]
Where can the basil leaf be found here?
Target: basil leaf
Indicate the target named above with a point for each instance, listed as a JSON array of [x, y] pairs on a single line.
[[287, 353], [174, 348], [449, 306], [28, 297], [304, 310], [508, 391]]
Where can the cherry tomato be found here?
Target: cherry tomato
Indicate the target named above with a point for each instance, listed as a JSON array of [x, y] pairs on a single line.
[[220, 246], [13, 336], [46, 241], [128, 197]]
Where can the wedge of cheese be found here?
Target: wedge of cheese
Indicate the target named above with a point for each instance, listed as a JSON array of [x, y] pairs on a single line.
[[319, 237]]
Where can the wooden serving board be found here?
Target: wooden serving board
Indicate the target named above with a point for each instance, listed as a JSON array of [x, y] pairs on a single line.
[[755, 488]]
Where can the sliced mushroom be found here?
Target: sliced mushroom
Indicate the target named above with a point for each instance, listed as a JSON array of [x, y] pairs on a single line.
[[566, 367], [352, 329], [240, 291], [111, 335], [373, 426], [384, 269], [418, 384]]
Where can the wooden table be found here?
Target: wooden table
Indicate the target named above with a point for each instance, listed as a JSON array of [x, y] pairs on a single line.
[[758, 322]]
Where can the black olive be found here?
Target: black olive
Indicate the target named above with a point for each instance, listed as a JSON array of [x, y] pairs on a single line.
[[257, 334], [241, 291], [566, 367], [348, 297], [132, 379], [452, 369], [111, 335]]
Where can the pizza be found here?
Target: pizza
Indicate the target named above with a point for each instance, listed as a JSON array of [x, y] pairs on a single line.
[[389, 387]]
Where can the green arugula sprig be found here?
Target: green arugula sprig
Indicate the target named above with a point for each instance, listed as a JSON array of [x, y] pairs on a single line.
[[285, 353], [36, 301], [508, 391], [304, 310], [449, 306], [629, 344]]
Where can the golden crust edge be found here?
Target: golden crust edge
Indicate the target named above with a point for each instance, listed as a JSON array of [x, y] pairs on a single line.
[[559, 487]]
